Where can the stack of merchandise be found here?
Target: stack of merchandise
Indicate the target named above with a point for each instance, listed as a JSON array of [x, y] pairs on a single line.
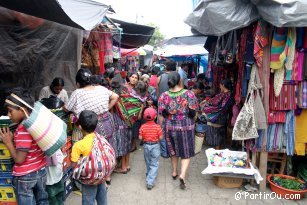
[[7, 194]]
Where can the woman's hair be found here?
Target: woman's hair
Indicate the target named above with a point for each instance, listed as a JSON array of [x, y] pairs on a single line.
[[22, 93], [57, 82], [95, 79], [227, 84], [173, 79], [140, 87], [88, 120], [109, 74], [199, 86], [83, 77], [155, 70], [104, 82]]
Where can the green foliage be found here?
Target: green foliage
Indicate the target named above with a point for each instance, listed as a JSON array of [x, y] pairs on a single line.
[[288, 183], [157, 37]]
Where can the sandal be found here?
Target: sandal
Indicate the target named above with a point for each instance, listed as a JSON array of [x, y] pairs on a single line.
[[128, 169], [120, 171], [175, 177], [182, 184]]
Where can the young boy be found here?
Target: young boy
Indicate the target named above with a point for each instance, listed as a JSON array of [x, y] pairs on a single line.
[[151, 133], [29, 170], [87, 122]]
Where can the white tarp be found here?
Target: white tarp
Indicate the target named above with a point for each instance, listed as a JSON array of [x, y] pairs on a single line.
[[86, 13], [181, 50]]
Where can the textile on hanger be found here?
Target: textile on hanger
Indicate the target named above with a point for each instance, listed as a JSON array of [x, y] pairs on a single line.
[[277, 48], [287, 98], [302, 94], [261, 40], [300, 136]]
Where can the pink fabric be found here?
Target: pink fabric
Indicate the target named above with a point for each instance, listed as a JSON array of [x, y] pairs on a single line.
[[153, 81], [300, 64], [294, 67]]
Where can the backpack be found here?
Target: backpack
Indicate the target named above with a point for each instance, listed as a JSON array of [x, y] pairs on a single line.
[[94, 168]]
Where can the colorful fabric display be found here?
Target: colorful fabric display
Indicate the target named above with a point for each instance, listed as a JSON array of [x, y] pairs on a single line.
[[300, 64], [278, 47], [301, 130], [299, 37], [289, 131], [276, 117], [275, 137], [302, 94], [261, 40], [287, 98]]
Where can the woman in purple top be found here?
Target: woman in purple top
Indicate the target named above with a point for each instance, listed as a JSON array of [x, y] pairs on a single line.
[[177, 108]]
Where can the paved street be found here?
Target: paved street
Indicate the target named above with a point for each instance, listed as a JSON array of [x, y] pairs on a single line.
[[131, 188]]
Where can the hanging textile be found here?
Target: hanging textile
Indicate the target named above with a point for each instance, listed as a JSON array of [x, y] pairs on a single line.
[[240, 60], [290, 58], [245, 80], [295, 66], [261, 40], [302, 94], [279, 76], [275, 137], [276, 117], [287, 98], [305, 67], [278, 47], [299, 37], [289, 131], [300, 64], [301, 130]]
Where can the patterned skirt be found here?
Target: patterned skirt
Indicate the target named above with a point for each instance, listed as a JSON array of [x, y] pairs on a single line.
[[179, 135], [215, 136], [105, 127], [122, 135]]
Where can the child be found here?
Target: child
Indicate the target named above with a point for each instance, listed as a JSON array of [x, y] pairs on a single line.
[[87, 123], [151, 133], [29, 171]]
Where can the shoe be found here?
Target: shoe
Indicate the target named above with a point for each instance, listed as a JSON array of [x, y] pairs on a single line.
[[133, 150], [128, 169], [108, 182], [120, 171], [182, 184], [175, 177], [149, 187]]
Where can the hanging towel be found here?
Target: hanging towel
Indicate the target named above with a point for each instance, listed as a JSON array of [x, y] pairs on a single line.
[[261, 40], [278, 47], [301, 133]]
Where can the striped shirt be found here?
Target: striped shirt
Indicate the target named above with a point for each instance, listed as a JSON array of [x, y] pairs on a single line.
[[35, 159], [96, 100], [150, 132]]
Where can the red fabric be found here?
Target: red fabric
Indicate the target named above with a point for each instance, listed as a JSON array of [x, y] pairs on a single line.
[[153, 81], [35, 159], [101, 61], [150, 114], [150, 132], [305, 38]]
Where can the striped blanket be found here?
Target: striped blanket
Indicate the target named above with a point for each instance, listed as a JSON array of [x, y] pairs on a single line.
[[129, 108]]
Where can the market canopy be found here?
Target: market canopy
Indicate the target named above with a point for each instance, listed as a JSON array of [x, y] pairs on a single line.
[[183, 46], [82, 14], [217, 17], [134, 35]]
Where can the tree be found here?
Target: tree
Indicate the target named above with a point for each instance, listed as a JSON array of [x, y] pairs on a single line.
[[157, 36]]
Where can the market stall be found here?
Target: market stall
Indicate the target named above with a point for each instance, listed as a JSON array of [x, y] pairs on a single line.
[[264, 52]]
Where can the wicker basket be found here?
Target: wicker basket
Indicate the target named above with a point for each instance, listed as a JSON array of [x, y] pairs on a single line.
[[227, 182]]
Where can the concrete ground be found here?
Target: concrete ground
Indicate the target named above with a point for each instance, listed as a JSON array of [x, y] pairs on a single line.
[[131, 189]]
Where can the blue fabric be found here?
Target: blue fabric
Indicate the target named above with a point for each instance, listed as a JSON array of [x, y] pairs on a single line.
[[299, 37], [92, 193], [246, 78], [30, 189], [152, 156], [289, 130], [184, 77]]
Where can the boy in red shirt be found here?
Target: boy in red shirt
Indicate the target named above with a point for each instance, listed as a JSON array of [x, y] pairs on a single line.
[[151, 133], [29, 170]]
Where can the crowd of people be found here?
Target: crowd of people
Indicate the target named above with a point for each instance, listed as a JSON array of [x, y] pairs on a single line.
[[152, 106]]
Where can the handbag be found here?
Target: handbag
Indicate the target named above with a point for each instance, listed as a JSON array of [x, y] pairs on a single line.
[[47, 129], [245, 126], [199, 141], [94, 168]]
